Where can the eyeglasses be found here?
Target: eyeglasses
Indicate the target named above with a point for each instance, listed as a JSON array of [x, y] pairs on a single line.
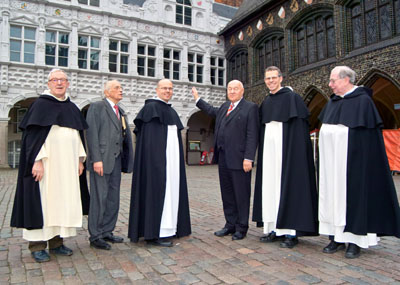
[[334, 80], [272, 78], [55, 80], [166, 88]]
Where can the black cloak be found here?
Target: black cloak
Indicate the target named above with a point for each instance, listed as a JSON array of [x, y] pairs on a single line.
[[372, 204], [298, 207], [149, 173], [36, 124]]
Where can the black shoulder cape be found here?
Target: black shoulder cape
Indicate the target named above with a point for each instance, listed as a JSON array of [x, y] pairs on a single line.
[[149, 173], [298, 209], [372, 203], [42, 114]]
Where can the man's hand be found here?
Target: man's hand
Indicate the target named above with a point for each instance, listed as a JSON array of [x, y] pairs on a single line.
[[80, 168], [98, 167], [38, 170], [247, 165], [195, 93]]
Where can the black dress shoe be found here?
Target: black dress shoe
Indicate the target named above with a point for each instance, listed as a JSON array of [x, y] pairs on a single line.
[[114, 239], [41, 256], [160, 242], [100, 244], [333, 246], [238, 235], [353, 251], [62, 250], [289, 242], [271, 237], [224, 232]]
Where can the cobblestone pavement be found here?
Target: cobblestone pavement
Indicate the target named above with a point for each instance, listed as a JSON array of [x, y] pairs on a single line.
[[201, 258]]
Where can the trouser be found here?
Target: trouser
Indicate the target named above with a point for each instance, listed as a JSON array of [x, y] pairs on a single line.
[[54, 242], [235, 192], [104, 202]]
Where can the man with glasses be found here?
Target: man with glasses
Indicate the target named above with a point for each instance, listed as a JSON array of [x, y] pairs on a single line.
[[51, 198], [235, 144], [357, 197], [109, 143], [159, 206], [285, 196]]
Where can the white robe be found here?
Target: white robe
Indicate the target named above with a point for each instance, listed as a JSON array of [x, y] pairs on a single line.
[[271, 177], [333, 144], [59, 188], [169, 218]]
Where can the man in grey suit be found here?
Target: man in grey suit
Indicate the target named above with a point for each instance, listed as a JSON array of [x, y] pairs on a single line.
[[110, 153]]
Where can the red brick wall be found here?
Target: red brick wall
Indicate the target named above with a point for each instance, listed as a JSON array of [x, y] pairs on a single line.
[[234, 3]]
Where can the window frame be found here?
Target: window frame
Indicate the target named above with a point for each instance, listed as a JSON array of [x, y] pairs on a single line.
[[89, 50], [148, 69], [22, 41], [216, 68], [173, 74], [238, 66], [120, 55], [183, 18], [58, 45], [196, 66]]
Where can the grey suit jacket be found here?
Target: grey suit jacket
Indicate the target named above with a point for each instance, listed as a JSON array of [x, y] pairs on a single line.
[[106, 138]]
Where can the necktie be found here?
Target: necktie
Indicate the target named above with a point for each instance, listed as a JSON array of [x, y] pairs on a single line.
[[230, 109], [116, 111]]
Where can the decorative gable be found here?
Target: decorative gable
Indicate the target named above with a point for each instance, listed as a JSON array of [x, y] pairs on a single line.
[[24, 21], [147, 40], [120, 36], [57, 25], [89, 30], [196, 48]]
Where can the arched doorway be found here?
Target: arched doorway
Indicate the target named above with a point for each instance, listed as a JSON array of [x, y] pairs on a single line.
[[16, 115], [315, 102], [200, 136], [386, 97]]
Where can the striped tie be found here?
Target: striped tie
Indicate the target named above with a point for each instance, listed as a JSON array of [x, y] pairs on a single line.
[[230, 109]]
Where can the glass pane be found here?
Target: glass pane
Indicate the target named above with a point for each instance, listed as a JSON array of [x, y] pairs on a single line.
[[63, 61], [151, 63], [166, 73], [94, 55], [94, 65], [62, 51], [397, 15], [331, 42], [29, 47], [29, 33], [166, 65], [199, 58], [151, 51], [190, 57], [179, 9], [302, 60], [176, 66], [141, 61], [124, 47], [188, 20], [179, 2], [191, 68], [199, 70], [95, 3], [167, 53], [385, 22], [212, 61], [15, 56], [124, 68], [124, 59], [95, 42], [151, 72], [112, 67], [176, 75], [63, 38], [199, 78], [50, 50], [187, 2], [188, 11], [311, 49], [29, 57], [140, 70], [321, 46], [82, 63], [15, 45], [371, 27], [357, 32], [113, 45], [369, 4], [83, 1], [179, 19], [50, 60], [83, 41], [113, 58], [177, 55], [15, 32], [191, 77], [141, 49], [51, 37], [220, 62], [212, 76]]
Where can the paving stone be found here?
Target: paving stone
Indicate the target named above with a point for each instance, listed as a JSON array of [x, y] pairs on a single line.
[[309, 279], [117, 273]]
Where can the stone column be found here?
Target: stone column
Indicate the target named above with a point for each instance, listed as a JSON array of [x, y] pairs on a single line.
[[4, 143]]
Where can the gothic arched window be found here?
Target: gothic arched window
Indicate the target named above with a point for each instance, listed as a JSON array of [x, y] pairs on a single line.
[[270, 50], [237, 66], [372, 21], [314, 39]]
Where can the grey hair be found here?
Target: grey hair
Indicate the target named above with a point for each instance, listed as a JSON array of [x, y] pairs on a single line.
[[235, 80], [273, 68], [345, 71], [54, 70], [107, 85]]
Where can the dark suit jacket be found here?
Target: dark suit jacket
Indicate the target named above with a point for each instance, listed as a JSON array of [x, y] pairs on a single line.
[[106, 139], [240, 131]]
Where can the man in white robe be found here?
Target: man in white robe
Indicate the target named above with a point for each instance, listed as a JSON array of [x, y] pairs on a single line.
[[52, 159]]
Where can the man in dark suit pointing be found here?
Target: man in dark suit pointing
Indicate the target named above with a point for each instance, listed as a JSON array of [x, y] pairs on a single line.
[[110, 152], [236, 138]]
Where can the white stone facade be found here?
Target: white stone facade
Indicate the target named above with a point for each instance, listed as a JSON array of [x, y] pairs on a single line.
[[152, 24]]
